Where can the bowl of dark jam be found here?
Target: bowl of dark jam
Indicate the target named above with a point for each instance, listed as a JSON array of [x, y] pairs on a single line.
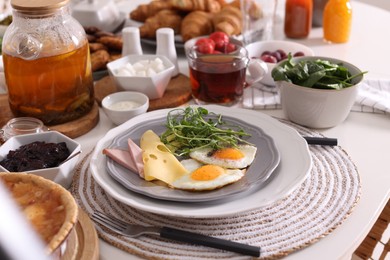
[[50, 154]]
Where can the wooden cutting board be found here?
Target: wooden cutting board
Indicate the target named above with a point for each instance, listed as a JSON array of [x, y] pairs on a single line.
[[71, 129], [178, 92], [83, 242]]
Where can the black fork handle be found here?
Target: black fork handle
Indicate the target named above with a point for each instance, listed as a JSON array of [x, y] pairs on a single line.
[[194, 238]]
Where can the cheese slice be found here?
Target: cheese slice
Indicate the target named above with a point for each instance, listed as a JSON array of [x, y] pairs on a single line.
[[159, 163]]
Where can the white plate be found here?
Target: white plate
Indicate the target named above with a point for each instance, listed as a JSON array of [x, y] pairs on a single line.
[[293, 169], [267, 159]]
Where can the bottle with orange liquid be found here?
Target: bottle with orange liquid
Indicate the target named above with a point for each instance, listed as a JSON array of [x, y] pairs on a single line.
[[298, 18], [337, 19], [47, 64]]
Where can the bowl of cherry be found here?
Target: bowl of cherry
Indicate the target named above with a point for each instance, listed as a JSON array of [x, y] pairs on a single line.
[[273, 52]]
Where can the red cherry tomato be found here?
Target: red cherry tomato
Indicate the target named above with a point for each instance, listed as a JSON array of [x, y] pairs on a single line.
[[220, 39], [205, 45], [230, 47]]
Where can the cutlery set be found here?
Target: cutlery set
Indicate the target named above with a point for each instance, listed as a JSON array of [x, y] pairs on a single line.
[[132, 230]]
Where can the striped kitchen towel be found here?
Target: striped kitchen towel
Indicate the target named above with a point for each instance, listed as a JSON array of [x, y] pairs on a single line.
[[373, 97]]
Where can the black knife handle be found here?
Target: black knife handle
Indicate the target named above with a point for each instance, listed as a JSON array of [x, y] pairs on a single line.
[[194, 238], [321, 140]]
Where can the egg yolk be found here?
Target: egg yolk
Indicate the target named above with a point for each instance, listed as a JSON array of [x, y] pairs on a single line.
[[228, 153], [207, 173]]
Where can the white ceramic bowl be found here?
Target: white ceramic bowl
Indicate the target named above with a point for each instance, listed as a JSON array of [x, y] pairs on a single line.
[[154, 87], [124, 113], [318, 108], [62, 174], [256, 49]]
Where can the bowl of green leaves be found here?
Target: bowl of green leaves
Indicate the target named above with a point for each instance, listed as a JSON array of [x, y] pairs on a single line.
[[317, 92]]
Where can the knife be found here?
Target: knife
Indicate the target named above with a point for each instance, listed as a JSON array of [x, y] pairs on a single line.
[[320, 140]]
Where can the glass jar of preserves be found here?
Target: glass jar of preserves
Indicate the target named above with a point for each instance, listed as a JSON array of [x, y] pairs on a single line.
[[21, 126], [337, 20], [298, 18], [47, 63]]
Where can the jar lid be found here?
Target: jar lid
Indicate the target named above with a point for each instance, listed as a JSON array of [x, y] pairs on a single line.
[[38, 6]]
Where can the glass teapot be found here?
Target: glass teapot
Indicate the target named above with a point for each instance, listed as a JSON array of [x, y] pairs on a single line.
[[47, 63]]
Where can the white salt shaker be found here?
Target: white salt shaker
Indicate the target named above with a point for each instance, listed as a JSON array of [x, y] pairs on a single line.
[[131, 41], [166, 46]]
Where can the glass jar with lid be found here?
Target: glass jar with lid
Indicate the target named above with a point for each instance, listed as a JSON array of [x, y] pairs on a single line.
[[47, 63], [21, 126]]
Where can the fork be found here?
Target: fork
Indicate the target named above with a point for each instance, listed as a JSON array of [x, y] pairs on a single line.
[[132, 230]]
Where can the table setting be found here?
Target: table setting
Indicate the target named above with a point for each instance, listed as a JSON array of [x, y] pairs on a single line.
[[316, 181]]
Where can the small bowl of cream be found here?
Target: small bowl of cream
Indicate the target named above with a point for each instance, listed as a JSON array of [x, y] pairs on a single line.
[[122, 106]]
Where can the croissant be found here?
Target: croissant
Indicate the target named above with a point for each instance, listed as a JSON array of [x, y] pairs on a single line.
[[254, 10], [195, 24], [228, 20], [144, 11], [211, 6], [164, 18]]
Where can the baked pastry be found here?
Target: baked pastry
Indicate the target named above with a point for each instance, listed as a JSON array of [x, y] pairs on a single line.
[[112, 42], [99, 60], [228, 20], [211, 6], [49, 207], [144, 11], [254, 10], [196, 23], [165, 18]]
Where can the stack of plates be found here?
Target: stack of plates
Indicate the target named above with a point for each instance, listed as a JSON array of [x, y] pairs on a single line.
[[282, 163]]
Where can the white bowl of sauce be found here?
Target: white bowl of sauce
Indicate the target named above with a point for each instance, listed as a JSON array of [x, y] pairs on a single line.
[[122, 106]]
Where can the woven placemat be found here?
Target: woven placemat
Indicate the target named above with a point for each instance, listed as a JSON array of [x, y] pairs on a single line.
[[318, 206]]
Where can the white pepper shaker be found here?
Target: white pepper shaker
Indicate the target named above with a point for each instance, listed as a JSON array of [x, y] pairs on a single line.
[[131, 41], [166, 46]]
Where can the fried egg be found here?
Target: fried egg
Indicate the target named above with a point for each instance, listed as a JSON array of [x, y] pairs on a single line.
[[230, 157], [205, 176]]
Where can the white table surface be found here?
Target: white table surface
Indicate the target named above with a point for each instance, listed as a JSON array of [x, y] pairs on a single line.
[[364, 136]]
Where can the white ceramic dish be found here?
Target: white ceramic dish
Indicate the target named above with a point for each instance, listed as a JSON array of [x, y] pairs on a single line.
[[102, 14], [318, 108], [120, 116], [62, 174], [255, 49], [267, 159], [293, 169], [154, 86]]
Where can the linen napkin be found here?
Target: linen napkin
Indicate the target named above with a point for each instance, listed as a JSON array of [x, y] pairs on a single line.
[[373, 97]]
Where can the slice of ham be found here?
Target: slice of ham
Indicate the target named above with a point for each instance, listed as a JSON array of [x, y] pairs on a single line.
[[136, 155], [130, 159]]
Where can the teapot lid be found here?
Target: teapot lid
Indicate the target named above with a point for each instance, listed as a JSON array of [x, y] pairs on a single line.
[[38, 6]]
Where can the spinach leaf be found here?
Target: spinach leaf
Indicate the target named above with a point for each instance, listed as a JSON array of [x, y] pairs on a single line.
[[318, 73]]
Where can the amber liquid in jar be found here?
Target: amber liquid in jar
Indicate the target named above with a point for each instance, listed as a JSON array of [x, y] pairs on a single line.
[[55, 89]]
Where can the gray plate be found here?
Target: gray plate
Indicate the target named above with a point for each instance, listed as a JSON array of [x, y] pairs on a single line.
[[266, 160]]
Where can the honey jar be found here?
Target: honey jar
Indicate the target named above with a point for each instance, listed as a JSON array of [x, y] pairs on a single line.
[[47, 63]]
